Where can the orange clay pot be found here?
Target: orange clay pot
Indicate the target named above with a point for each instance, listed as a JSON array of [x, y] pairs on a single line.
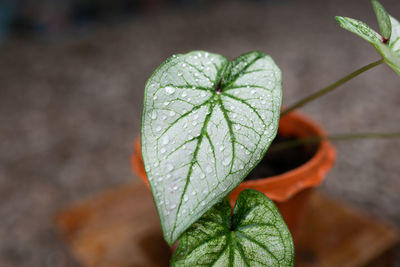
[[290, 190]]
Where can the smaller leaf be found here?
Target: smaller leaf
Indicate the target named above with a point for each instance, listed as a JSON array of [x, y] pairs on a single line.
[[389, 49], [383, 19], [394, 42], [256, 235], [359, 28]]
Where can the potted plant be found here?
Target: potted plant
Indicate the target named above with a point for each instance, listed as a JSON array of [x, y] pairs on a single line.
[[207, 123]]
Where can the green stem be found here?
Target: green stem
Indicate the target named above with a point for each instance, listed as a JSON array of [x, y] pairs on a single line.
[[341, 137], [331, 87]]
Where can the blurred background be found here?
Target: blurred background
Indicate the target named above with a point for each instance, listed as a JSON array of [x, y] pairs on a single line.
[[72, 75]]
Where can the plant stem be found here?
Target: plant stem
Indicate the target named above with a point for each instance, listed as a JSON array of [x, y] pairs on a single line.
[[341, 137], [329, 88]]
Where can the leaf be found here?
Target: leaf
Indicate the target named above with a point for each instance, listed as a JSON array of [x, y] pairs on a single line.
[[256, 235], [389, 49], [359, 28], [206, 123], [383, 19]]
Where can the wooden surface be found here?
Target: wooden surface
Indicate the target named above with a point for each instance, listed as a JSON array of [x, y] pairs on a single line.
[[120, 228]]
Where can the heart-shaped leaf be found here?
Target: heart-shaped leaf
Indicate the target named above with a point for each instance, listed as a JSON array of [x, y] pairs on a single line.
[[206, 123], [388, 48], [256, 235]]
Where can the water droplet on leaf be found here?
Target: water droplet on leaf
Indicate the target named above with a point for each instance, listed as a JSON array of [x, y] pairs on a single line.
[[169, 90]]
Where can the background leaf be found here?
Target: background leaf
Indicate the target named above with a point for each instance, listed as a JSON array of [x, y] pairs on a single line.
[[359, 28], [198, 144], [383, 19], [390, 51], [255, 236]]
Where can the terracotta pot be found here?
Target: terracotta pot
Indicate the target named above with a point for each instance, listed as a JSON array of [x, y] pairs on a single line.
[[290, 190]]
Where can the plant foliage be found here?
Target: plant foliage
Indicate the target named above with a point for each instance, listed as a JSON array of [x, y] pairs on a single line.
[[255, 235]]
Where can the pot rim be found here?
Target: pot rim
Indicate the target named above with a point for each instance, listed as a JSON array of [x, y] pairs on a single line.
[[283, 186]]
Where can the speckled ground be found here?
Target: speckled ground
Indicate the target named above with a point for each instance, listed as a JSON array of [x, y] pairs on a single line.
[[70, 108]]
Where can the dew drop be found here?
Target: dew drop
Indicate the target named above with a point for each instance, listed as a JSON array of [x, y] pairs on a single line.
[[172, 113], [166, 103], [221, 148], [155, 97], [158, 128], [234, 115], [173, 206], [226, 161], [183, 65], [164, 117], [194, 193], [165, 140], [194, 123], [185, 198], [169, 90], [271, 127], [253, 92], [154, 115], [180, 74], [203, 203], [203, 94], [175, 187], [237, 127], [156, 164], [202, 176], [184, 94], [160, 179]]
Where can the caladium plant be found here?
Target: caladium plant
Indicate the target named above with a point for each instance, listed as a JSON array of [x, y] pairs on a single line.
[[387, 43], [206, 123]]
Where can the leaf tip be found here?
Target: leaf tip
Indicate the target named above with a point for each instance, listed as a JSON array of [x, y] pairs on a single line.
[[340, 20]]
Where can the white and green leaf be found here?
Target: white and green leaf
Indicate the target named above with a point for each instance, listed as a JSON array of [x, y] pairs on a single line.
[[206, 123], [388, 45], [382, 16], [255, 235]]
